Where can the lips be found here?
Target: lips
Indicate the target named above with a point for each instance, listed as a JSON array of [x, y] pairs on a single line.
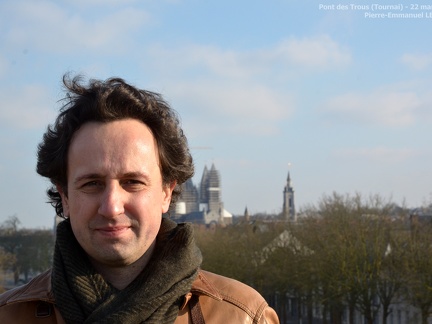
[[112, 228], [112, 231]]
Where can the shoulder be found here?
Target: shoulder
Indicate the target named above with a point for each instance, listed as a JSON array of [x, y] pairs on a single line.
[[221, 287], [39, 288], [29, 303], [225, 295]]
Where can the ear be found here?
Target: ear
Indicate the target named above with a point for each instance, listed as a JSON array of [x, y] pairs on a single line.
[[64, 198], [167, 194]]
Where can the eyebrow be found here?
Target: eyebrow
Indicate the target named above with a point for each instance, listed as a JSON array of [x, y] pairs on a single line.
[[136, 175], [132, 174], [87, 176]]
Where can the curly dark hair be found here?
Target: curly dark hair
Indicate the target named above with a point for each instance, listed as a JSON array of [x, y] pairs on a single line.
[[105, 101]]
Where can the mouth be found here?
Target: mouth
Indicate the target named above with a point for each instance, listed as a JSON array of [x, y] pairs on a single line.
[[112, 231]]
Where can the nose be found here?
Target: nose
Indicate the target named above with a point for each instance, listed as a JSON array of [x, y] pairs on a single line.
[[112, 201]]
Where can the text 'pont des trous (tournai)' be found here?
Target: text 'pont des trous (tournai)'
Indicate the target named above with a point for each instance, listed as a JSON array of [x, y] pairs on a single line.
[[380, 11]]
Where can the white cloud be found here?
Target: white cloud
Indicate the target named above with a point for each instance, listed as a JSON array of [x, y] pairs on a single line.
[[242, 90], [238, 91], [255, 101], [237, 108], [51, 28], [417, 61], [312, 52], [201, 59], [28, 108], [320, 51], [383, 107]]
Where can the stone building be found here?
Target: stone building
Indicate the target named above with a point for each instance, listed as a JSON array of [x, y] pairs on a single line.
[[203, 205]]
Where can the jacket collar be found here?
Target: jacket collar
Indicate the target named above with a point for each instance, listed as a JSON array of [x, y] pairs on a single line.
[[203, 286], [39, 288]]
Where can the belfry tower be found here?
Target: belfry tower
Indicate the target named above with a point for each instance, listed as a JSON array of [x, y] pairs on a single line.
[[288, 209]]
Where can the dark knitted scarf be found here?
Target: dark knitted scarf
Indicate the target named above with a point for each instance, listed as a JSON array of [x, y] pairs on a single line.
[[83, 296]]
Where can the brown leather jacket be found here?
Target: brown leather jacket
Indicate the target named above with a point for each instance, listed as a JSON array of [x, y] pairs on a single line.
[[212, 299]]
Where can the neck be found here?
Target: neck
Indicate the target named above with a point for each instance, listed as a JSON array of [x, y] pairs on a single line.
[[121, 276]]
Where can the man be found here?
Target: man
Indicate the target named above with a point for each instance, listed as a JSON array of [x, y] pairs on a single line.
[[116, 157]]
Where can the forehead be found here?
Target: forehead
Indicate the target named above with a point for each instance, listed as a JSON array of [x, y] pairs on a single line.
[[118, 129], [113, 144]]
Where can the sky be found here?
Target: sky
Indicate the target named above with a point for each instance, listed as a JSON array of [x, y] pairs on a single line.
[[338, 94]]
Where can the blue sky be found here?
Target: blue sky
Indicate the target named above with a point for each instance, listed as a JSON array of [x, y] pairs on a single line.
[[341, 101]]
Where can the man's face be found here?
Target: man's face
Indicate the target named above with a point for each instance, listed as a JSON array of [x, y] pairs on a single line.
[[115, 196]]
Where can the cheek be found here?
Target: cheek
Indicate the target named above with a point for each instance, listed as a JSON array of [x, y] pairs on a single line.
[[79, 207], [153, 227]]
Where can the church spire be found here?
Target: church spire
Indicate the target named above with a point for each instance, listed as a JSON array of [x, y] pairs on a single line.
[[288, 208], [246, 215]]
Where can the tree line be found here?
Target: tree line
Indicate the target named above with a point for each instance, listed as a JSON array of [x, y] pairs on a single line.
[[24, 252], [347, 254]]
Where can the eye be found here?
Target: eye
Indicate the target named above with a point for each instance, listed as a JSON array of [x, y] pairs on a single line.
[[132, 184], [92, 186]]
